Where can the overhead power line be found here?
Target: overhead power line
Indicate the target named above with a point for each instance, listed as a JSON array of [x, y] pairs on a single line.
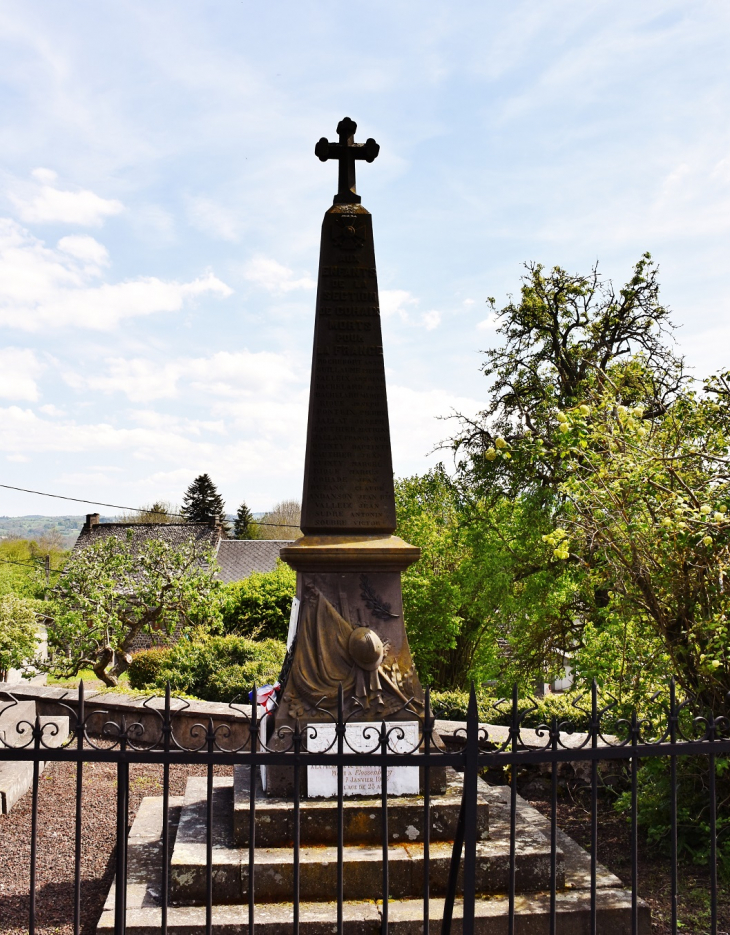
[[9, 561], [116, 506]]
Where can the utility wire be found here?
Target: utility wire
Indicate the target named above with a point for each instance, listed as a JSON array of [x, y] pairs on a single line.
[[116, 506], [8, 561]]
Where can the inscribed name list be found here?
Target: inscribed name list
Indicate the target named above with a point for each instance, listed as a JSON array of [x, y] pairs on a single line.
[[348, 485], [363, 737]]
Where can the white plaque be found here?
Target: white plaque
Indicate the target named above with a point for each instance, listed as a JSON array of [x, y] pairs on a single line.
[[403, 737]]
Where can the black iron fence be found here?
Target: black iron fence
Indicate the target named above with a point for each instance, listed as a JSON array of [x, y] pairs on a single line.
[[466, 888]]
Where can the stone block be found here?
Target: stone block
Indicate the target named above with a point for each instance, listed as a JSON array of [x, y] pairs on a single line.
[[16, 723], [16, 776], [362, 863], [361, 817]]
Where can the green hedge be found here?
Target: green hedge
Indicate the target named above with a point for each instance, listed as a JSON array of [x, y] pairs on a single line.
[[217, 669], [452, 706], [260, 605]]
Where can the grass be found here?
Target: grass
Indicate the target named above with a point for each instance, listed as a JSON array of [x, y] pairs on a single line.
[[92, 683]]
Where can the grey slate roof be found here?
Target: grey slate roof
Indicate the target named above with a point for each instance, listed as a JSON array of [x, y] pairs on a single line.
[[238, 558], [175, 533]]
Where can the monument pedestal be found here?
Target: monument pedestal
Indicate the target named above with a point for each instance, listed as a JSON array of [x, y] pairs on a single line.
[[350, 634]]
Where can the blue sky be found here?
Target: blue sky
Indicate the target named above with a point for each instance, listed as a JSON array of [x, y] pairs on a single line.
[[160, 205]]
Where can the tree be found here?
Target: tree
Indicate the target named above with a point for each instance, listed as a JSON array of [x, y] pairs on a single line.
[[646, 515], [566, 338], [161, 511], [260, 605], [109, 594], [18, 633], [202, 502], [481, 585], [560, 340], [244, 526], [282, 522]]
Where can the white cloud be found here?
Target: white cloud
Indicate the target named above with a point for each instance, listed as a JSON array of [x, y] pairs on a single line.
[[50, 410], [176, 446], [41, 287], [395, 302], [138, 378], [488, 323], [229, 375], [212, 219], [85, 248], [431, 320], [18, 369], [274, 277], [44, 204]]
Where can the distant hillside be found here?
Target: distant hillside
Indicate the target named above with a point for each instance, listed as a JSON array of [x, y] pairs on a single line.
[[35, 526]]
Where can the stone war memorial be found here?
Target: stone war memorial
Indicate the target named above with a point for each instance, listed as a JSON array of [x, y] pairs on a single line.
[[286, 845], [350, 631]]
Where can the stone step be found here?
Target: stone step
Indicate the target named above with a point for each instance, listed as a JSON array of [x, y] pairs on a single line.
[[361, 817], [364, 917], [405, 917], [318, 864], [14, 731], [16, 777]]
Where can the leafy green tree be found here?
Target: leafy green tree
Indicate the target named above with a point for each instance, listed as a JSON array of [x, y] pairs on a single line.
[[567, 337], [647, 515], [201, 502], [481, 587], [110, 593], [562, 337], [18, 633], [260, 605], [245, 527]]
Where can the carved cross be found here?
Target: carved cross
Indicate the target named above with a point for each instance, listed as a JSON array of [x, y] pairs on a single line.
[[346, 152]]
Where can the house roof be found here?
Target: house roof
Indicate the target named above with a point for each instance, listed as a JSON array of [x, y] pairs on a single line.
[[204, 534], [238, 558]]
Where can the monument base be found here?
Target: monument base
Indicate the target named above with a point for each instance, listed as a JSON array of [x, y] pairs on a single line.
[[362, 909]]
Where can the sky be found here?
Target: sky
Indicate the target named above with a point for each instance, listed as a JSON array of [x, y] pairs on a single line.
[[160, 207]]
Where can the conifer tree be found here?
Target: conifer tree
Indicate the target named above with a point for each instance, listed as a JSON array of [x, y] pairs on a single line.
[[201, 502], [245, 526]]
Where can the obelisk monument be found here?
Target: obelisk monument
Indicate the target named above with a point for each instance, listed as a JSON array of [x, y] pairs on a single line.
[[350, 629]]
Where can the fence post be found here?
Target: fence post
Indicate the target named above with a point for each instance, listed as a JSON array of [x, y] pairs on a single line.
[[80, 716], [427, 741], [120, 900], [471, 771], [673, 725], [514, 738], [595, 729]]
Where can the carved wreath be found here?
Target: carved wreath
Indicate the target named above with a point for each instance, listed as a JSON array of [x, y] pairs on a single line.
[[377, 607]]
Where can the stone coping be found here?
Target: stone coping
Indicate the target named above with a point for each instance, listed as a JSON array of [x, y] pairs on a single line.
[[50, 697], [51, 700], [117, 700], [498, 734]]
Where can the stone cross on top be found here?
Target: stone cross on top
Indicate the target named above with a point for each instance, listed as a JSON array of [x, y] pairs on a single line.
[[346, 151]]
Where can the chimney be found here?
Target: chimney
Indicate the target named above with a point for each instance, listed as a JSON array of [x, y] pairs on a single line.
[[214, 521], [92, 519]]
